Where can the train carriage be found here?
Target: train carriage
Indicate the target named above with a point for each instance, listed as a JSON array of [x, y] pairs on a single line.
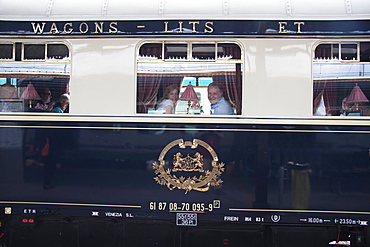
[[87, 158]]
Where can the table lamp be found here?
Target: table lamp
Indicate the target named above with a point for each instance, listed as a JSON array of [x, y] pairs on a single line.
[[30, 94], [189, 95], [356, 96]]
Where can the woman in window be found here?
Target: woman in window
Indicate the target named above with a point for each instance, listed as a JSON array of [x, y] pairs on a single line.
[[169, 101]]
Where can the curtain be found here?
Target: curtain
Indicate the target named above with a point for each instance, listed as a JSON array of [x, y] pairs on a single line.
[[323, 51], [329, 91], [238, 89], [231, 83], [151, 88], [318, 91], [330, 98], [151, 50], [231, 50], [168, 80], [147, 89]]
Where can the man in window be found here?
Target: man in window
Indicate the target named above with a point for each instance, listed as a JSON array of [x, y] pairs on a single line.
[[219, 106], [45, 103]]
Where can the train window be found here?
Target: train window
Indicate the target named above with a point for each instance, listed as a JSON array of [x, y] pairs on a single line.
[[57, 51], [151, 51], [349, 52], [190, 68], [38, 51], [34, 52], [6, 51], [337, 52], [228, 51], [341, 86], [204, 51], [34, 83], [175, 51], [365, 51]]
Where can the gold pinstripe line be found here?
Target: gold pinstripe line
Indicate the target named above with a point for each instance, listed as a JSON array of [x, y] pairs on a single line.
[[187, 129], [71, 204], [296, 211], [329, 121]]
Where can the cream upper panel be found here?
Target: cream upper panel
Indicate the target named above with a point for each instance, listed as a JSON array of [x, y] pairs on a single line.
[[103, 77], [278, 78]]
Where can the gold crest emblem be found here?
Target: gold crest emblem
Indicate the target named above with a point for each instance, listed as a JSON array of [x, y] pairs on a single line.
[[203, 182]]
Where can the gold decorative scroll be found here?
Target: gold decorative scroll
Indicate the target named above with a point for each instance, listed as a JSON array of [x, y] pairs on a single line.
[[203, 182]]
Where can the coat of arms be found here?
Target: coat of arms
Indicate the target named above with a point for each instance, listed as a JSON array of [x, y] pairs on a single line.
[[174, 176]]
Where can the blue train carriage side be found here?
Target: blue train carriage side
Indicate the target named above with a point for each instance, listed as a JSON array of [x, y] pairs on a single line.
[[88, 157]]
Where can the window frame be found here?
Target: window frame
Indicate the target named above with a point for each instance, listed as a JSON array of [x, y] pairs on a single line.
[[189, 57], [339, 59], [13, 52], [338, 81], [45, 58], [239, 62], [50, 68]]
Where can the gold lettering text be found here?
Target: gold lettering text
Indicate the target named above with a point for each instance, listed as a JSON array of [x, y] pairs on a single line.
[[299, 26], [38, 28], [70, 29], [166, 27], [84, 28], [282, 27], [99, 29], [209, 28], [194, 23], [180, 27], [54, 28], [113, 28]]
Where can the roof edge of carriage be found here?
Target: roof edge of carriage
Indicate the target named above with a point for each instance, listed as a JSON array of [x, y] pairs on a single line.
[[61, 10]]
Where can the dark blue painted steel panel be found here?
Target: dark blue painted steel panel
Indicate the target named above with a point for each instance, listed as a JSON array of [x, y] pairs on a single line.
[[106, 170], [185, 28]]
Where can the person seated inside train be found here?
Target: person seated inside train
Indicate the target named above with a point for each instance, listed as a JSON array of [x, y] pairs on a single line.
[[168, 102], [62, 104], [219, 105], [45, 104], [7, 91]]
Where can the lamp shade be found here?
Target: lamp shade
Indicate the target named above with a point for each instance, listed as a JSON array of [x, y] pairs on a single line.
[[356, 96], [30, 93], [189, 94]]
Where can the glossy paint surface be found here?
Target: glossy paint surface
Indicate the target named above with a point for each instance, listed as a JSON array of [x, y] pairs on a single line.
[[292, 171]]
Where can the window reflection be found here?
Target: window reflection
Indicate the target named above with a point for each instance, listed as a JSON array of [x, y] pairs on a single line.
[[341, 86], [34, 52], [183, 64], [204, 51], [6, 51], [33, 76], [175, 51]]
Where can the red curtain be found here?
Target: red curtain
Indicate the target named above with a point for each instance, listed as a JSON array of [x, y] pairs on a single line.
[[330, 99], [232, 81], [329, 92], [147, 90], [230, 50], [232, 88], [168, 80], [318, 91], [150, 89], [151, 50]]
